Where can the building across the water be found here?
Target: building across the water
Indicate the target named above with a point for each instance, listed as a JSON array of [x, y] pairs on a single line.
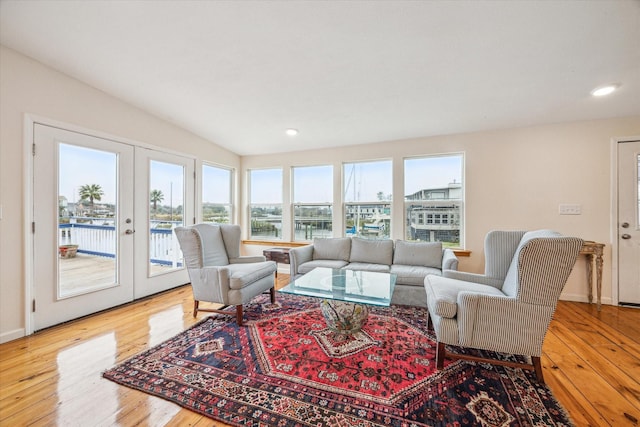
[[433, 214]]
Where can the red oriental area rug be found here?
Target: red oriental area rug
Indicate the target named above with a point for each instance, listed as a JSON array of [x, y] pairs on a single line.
[[285, 368]]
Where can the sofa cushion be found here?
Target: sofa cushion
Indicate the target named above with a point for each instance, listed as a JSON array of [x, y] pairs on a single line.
[[328, 263], [426, 254], [332, 248], [412, 274], [371, 251], [243, 275], [365, 266]]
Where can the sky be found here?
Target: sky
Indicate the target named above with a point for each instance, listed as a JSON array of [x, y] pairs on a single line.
[[363, 180], [84, 166]]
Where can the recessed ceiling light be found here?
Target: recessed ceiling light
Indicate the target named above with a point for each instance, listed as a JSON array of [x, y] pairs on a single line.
[[605, 90], [291, 132]]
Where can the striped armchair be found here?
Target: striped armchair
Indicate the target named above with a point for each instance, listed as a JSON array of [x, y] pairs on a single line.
[[508, 309]]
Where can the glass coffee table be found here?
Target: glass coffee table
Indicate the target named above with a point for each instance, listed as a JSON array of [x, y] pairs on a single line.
[[345, 295]]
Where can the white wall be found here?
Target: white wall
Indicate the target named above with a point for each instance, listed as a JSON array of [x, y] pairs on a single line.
[[28, 87], [514, 180]]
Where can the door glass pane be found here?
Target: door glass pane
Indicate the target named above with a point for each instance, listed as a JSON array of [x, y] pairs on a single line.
[[166, 203], [87, 218]]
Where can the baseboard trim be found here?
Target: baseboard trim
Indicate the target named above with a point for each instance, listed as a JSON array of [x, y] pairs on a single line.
[[583, 298], [12, 335]]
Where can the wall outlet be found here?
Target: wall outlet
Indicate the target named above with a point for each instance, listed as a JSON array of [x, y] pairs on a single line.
[[566, 209]]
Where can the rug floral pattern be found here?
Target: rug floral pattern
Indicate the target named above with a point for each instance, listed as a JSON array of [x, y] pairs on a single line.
[[285, 368]]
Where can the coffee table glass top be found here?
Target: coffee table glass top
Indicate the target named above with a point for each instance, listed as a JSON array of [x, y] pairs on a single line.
[[362, 287]]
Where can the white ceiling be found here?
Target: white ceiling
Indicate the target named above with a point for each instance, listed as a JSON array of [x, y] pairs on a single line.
[[238, 73]]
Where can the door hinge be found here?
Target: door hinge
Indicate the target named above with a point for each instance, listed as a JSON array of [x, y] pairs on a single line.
[[33, 227], [33, 149], [33, 305]]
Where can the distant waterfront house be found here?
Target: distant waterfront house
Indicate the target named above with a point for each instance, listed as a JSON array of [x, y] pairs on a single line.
[[434, 214]]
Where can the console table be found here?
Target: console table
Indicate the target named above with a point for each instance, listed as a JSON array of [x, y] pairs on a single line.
[[593, 252], [280, 255]]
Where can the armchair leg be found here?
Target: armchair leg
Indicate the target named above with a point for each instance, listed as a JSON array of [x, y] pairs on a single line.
[[196, 303], [272, 291], [239, 315], [440, 355], [429, 322], [537, 367]]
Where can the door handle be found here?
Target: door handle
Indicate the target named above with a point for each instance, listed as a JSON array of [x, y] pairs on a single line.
[[626, 236], [129, 231]]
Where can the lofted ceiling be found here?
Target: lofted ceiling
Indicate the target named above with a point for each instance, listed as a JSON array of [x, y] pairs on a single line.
[[239, 73]]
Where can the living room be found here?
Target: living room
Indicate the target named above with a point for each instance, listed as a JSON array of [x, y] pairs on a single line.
[[515, 177]]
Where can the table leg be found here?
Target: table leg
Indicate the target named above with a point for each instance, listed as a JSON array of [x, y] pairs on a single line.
[[590, 276], [599, 277]]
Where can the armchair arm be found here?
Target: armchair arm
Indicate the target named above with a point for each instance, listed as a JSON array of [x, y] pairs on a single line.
[[501, 323], [474, 278], [449, 260], [298, 256], [247, 259], [210, 284]]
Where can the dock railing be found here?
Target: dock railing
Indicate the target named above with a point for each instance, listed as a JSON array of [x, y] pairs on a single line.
[[100, 240]]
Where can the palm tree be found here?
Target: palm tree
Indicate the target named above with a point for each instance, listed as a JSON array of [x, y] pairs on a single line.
[[91, 192], [156, 196]]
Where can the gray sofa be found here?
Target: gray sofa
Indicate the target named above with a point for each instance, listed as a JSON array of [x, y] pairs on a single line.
[[410, 261]]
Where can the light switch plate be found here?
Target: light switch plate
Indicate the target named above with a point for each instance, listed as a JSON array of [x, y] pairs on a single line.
[[567, 209]]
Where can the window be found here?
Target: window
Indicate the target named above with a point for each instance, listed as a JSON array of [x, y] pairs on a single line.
[[216, 194], [312, 207], [434, 199], [265, 204], [367, 197], [312, 202]]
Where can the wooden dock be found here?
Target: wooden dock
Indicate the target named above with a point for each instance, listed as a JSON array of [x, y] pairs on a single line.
[[84, 272]]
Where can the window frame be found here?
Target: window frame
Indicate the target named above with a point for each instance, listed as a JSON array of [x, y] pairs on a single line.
[[295, 205], [382, 226], [443, 216], [264, 205], [229, 207]]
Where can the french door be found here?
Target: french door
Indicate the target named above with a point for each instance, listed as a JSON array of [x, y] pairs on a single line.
[[629, 222], [99, 240], [167, 183]]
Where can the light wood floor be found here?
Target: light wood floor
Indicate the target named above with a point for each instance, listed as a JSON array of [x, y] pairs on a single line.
[[591, 362]]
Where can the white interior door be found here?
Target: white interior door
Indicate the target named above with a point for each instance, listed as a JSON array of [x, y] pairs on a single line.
[[165, 190], [629, 222], [82, 244]]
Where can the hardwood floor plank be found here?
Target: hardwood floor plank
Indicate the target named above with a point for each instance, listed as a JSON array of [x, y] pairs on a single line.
[[577, 316], [612, 363], [581, 411], [54, 376]]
